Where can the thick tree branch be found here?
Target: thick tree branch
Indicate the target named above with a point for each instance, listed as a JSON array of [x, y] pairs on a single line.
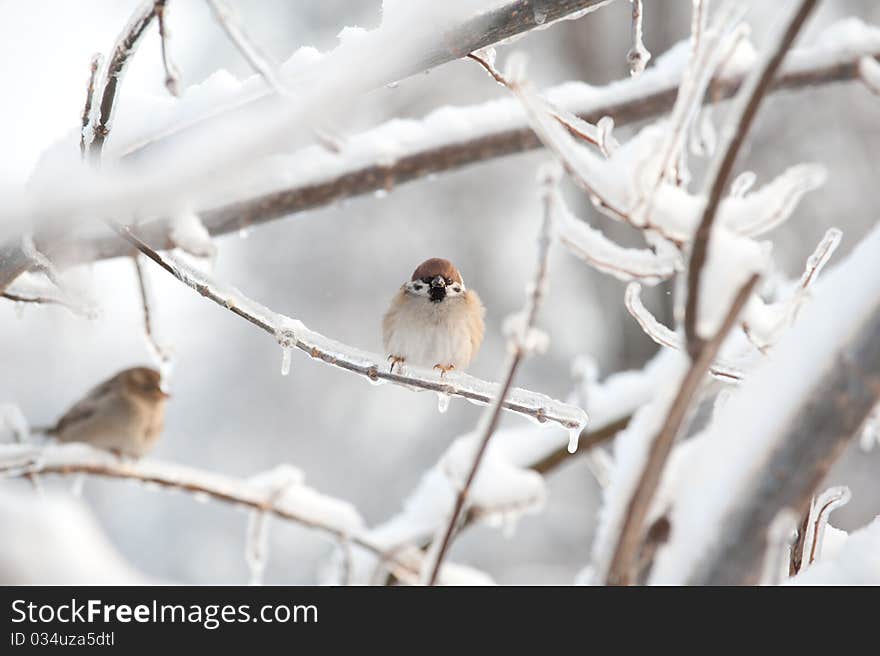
[[755, 88], [821, 425]]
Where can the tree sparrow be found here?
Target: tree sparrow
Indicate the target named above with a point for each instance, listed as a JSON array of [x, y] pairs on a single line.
[[123, 414], [434, 321]]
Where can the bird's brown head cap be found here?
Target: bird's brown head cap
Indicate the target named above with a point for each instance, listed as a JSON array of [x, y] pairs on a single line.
[[437, 266], [144, 381]]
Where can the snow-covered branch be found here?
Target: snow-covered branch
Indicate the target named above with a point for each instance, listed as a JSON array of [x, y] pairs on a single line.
[[293, 334], [293, 501], [389, 155], [780, 422]]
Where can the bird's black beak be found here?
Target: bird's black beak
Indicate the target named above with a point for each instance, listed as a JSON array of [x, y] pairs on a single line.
[[437, 291]]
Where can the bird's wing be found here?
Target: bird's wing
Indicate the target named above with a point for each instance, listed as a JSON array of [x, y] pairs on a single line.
[[87, 406], [475, 319]]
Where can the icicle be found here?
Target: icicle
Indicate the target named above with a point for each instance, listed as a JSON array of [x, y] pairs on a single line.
[[244, 233], [256, 547], [19, 310], [201, 497], [443, 402], [574, 435], [285, 361], [380, 193]]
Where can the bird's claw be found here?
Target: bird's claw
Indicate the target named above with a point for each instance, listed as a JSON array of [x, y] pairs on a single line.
[[444, 368], [395, 360]]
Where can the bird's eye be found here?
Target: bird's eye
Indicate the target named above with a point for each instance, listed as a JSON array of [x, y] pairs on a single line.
[[417, 286], [426, 280], [456, 288]]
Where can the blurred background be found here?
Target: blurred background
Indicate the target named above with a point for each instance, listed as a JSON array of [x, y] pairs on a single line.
[[336, 269]]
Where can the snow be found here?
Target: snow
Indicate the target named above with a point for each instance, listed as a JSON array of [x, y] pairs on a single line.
[[294, 499], [188, 233], [856, 561], [58, 541], [630, 452], [746, 428]]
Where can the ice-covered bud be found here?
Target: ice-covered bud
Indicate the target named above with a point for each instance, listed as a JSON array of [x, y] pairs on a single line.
[[530, 340], [742, 184]]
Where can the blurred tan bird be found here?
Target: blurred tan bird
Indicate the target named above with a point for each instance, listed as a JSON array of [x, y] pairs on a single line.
[[124, 414], [434, 320]]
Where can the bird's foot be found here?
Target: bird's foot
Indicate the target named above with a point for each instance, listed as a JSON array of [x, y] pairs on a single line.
[[444, 368], [396, 360]]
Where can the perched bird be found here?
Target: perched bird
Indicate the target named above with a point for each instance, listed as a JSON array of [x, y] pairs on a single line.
[[124, 414], [434, 320]]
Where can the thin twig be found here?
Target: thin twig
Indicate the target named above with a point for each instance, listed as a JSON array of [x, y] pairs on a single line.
[[125, 47], [519, 349], [293, 334], [664, 336], [638, 56], [621, 569], [40, 300], [150, 334], [246, 46], [172, 76], [749, 100], [87, 108]]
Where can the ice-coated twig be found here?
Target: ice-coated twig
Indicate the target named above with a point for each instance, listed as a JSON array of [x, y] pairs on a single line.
[[291, 333], [869, 72], [172, 76], [606, 256], [296, 503], [125, 47], [42, 263], [667, 337], [519, 348], [44, 300], [780, 537], [158, 350], [621, 568], [246, 46], [820, 509], [791, 307], [748, 101], [86, 134], [704, 62], [638, 55], [575, 124]]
